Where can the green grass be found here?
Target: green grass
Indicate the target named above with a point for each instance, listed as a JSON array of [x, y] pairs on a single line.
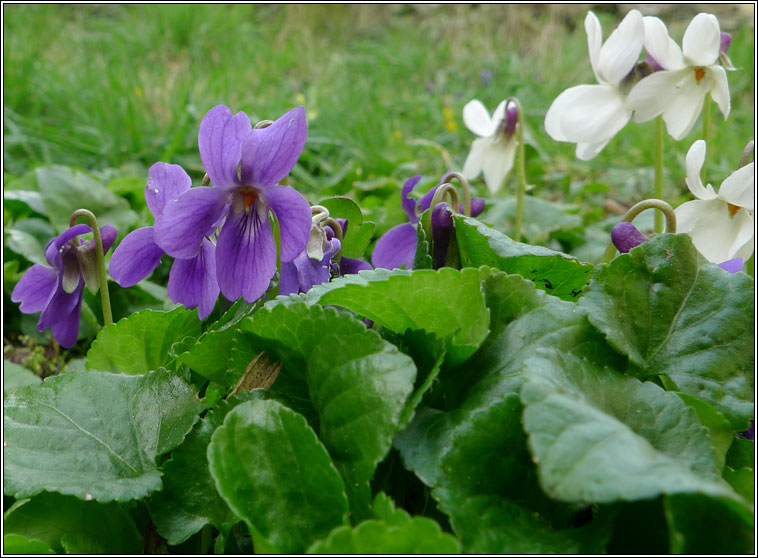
[[126, 86]]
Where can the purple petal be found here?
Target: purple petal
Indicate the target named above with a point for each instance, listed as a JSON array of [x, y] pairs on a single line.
[[349, 266], [302, 273], [511, 119], [108, 236], [343, 225], [135, 257], [732, 266], [185, 221], [165, 183], [409, 204], [60, 306], [193, 282], [220, 140], [653, 63], [288, 280], [246, 254], [442, 228], [477, 206], [52, 250], [268, 154], [625, 236], [726, 40], [66, 330], [396, 248], [294, 215], [35, 288], [426, 200]]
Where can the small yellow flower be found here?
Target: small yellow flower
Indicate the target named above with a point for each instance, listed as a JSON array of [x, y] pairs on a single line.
[[448, 120]]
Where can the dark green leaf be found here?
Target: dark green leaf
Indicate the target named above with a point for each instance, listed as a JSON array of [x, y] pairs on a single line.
[[556, 273], [141, 342], [94, 435], [78, 527], [540, 218], [676, 315], [274, 473]]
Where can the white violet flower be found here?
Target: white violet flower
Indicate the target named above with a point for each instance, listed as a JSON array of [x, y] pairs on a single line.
[[493, 153], [678, 91], [720, 224], [590, 115]]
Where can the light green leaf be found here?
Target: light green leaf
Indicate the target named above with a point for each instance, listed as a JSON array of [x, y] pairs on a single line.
[[64, 190], [140, 343], [274, 473], [18, 544], [16, 376], [65, 523], [600, 436], [554, 272], [676, 315], [540, 218], [94, 435], [357, 384], [358, 232], [447, 303], [189, 499]]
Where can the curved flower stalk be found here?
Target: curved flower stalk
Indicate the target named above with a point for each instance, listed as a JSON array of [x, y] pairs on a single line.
[[192, 281], [245, 165], [57, 291], [591, 115], [678, 91], [397, 247], [721, 224], [493, 153]]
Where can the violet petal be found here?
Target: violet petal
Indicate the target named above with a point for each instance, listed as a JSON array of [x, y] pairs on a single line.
[[732, 266], [60, 306], [52, 250], [165, 183], [66, 330], [193, 282], [108, 236], [268, 154], [726, 40], [185, 221], [220, 141], [35, 288], [625, 236], [294, 215], [349, 266], [409, 204], [246, 254], [426, 200], [135, 258], [396, 248]]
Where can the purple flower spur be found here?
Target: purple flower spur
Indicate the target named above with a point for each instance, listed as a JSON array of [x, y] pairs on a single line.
[[57, 291]]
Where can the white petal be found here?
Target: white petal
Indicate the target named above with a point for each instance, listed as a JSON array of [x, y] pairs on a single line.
[[652, 95], [620, 52], [716, 235], [498, 116], [660, 46], [702, 40], [739, 187], [694, 164], [475, 160], [681, 114], [747, 228], [594, 41], [555, 113], [498, 162], [587, 151], [477, 119], [719, 88], [596, 114]]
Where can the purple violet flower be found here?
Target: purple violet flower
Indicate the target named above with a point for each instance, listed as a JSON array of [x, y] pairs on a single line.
[[304, 272], [191, 282], [397, 247], [57, 291], [245, 166]]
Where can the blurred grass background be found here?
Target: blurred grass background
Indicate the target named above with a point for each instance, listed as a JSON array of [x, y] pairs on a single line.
[[112, 89]]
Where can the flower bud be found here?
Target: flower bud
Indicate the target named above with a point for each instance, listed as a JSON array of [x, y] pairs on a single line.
[[511, 119], [726, 40], [442, 228], [625, 236]]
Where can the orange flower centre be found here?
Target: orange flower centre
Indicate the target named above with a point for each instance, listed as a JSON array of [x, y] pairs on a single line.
[[249, 195], [733, 209], [699, 74]]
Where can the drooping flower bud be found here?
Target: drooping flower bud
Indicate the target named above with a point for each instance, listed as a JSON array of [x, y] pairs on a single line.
[[625, 236], [511, 119], [726, 40], [442, 228]]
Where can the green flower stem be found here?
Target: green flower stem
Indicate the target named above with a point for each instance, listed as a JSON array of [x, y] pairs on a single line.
[[466, 191], [665, 211], [658, 170], [707, 119], [448, 190], [520, 170], [100, 259]]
